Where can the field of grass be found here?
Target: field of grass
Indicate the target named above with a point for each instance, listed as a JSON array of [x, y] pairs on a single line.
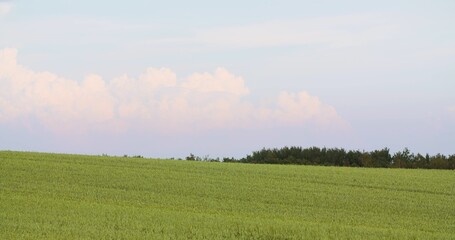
[[55, 196]]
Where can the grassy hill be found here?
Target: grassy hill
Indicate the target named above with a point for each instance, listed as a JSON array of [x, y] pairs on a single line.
[[56, 196]]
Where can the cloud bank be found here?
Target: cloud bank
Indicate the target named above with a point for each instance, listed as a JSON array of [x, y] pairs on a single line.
[[329, 31], [5, 8], [155, 101], [451, 112]]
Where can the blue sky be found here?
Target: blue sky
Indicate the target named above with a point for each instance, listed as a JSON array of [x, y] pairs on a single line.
[[169, 78]]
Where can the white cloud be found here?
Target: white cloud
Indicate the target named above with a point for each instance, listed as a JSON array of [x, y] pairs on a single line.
[[222, 81], [301, 107], [327, 31], [451, 111], [58, 103], [345, 30], [155, 101], [5, 8]]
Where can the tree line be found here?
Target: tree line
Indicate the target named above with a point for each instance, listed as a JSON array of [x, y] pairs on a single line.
[[340, 157]]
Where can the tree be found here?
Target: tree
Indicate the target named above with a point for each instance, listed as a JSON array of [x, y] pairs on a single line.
[[381, 158], [353, 158], [403, 159], [439, 162], [191, 157]]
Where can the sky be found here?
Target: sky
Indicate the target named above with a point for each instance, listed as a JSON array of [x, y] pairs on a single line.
[[222, 79]]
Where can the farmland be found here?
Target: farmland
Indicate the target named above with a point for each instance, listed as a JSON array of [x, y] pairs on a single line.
[[59, 196]]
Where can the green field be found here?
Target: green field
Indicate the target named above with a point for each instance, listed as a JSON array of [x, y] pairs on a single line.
[[50, 196]]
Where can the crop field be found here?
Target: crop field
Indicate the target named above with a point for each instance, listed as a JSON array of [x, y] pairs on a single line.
[[57, 196]]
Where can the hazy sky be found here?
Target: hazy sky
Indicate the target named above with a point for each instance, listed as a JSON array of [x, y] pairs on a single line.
[[169, 78]]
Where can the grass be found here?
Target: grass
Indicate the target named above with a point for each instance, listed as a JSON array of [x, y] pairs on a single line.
[[56, 196]]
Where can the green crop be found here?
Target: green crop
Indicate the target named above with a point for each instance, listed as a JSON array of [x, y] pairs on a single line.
[[57, 196]]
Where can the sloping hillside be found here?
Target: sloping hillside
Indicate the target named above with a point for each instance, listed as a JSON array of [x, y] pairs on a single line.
[[56, 196]]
